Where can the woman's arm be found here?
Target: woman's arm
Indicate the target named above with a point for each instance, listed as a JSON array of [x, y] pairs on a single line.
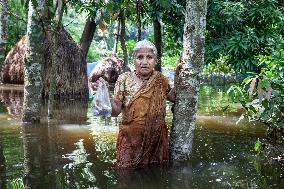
[[171, 96], [116, 106]]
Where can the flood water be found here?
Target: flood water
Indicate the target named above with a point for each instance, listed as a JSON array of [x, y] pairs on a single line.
[[77, 150]]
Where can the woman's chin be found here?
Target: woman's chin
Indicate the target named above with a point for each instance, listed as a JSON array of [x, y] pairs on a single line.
[[145, 72]]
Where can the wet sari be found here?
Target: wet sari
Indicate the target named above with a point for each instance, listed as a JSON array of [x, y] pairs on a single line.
[[143, 135]]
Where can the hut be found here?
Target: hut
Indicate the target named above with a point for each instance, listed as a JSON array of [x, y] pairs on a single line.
[[13, 69], [71, 81], [109, 68]]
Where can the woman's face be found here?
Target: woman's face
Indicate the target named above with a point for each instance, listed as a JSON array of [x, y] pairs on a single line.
[[145, 61]]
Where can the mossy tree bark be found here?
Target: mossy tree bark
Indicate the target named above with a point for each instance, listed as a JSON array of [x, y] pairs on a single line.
[[3, 30], [188, 82], [33, 63]]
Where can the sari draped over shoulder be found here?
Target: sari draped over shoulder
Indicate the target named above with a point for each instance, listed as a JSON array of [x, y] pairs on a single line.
[[143, 135]]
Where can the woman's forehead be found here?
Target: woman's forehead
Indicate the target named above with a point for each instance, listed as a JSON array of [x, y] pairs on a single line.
[[144, 51]]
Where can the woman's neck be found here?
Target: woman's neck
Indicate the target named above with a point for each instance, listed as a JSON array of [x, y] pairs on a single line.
[[143, 77]]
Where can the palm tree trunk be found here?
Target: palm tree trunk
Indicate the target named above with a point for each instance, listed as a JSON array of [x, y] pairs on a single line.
[[188, 82], [33, 63]]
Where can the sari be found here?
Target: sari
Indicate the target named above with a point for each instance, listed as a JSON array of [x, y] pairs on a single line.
[[143, 136]]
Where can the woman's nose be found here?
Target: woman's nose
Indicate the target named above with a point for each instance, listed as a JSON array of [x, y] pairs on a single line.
[[144, 60]]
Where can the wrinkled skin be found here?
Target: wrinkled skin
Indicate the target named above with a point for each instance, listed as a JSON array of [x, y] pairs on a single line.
[[109, 69]]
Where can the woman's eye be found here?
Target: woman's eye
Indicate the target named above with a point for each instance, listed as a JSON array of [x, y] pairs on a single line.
[[149, 57], [139, 57]]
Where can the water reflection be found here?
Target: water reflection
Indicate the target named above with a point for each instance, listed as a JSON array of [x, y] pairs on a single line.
[[11, 98], [77, 150], [60, 158], [2, 167]]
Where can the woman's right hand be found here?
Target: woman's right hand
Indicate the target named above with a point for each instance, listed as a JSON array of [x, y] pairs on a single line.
[[94, 85]]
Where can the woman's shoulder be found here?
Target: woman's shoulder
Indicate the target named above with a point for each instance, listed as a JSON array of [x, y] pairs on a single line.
[[162, 76], [124, 76]]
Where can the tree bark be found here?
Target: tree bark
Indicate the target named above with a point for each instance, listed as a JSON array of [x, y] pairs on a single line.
[[33, 63], [158, 42], [188, 82], [139, 23], [122, 41], [2, 167], [55, 58], [89, 32], [3, 30], [116, 38]]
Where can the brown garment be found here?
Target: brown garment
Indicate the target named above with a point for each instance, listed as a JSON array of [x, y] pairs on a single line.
[[143, 135]]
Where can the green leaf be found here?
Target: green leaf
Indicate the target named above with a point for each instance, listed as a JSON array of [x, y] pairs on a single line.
[[258, 146]]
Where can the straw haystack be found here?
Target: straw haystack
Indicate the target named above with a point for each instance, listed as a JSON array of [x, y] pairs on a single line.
[[71, 71], [109, 68], [12, 71]]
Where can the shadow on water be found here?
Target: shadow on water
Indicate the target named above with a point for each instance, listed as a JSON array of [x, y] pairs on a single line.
[[77, 150]]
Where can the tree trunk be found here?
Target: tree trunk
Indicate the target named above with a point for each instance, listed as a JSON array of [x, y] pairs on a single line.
[[3, 30], [2, 167], [55, 58], [187, 88], [158, 42], [139, 23], [89, 32], [122, 41], [116, 38], [33, 63]]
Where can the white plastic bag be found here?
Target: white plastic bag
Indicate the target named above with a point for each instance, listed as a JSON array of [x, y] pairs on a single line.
[[101, 103]]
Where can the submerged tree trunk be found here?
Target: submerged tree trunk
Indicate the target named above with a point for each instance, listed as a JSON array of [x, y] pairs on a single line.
[[3, 30], [33, 64], [188, 83], [55, 58], [89, 32], [122, 40], [158, 42]]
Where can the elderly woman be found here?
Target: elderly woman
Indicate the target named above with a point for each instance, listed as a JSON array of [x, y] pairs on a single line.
[[141, 97]]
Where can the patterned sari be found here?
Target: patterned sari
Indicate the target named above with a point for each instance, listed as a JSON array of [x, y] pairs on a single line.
[[143, 135]]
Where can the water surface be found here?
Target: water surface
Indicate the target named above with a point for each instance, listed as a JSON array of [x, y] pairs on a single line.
[[77, 150]]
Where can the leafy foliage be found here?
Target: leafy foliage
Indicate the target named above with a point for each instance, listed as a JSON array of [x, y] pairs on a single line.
[[17, 22], [243, 30], [263, 95]]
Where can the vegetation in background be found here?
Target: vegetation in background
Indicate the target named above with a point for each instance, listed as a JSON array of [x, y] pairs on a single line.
[[17, 22], [242, 30], [262, 96], [237, 31]]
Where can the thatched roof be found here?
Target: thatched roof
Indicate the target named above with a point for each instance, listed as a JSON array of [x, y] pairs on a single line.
[[12, 70], [71, 71], [109, 68]]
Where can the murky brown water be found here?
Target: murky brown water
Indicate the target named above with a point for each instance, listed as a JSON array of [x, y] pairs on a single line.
[[77, 150]]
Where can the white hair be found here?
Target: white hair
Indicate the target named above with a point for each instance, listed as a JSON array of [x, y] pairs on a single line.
[[144, 44]]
